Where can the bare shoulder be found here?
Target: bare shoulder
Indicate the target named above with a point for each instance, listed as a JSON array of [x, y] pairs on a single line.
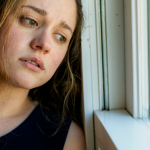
[[75, 138]]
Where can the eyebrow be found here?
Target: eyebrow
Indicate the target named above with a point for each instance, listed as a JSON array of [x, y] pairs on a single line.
[[63, 24], [38, 10], [42, 12]]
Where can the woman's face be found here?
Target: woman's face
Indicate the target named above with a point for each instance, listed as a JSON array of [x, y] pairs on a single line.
[[38, 41]]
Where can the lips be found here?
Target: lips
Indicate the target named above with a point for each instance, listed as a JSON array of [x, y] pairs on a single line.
[[36, 60]]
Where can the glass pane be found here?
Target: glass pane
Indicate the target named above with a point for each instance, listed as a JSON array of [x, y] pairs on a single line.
[[104, 56]]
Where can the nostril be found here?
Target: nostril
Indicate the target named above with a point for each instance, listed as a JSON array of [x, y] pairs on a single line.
[[39, 47], [46, 51]]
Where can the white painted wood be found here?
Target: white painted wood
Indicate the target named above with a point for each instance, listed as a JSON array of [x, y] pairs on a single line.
[[89, 71], [128, 56], [138, 112], [143, 59], [136, 58], [134, 36], [94, 54], [115, 50], [117, 130]]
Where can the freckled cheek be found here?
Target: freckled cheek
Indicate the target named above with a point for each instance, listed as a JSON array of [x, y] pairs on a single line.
[[56, 59], [15, 41], [60, 57]]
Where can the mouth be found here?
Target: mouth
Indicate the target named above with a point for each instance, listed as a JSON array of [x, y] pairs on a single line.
[[33, 63]]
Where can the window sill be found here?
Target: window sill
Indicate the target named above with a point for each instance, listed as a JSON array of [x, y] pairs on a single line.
[[116, 129]]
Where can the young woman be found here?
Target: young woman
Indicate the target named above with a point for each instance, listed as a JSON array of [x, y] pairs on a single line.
[[39, 60]]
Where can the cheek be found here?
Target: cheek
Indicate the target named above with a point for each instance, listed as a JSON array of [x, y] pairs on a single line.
[[12, 41], [57, 58], [13, 36], [15, 41]]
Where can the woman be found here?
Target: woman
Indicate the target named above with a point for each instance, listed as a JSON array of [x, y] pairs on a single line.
[[38, 65]]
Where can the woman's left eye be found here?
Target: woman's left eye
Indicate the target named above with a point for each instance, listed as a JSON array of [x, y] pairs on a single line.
[[60, 38], [28, 21]]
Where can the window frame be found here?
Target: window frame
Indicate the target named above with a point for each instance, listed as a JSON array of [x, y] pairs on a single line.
[[92, 71], [91, 74], [90, 88]]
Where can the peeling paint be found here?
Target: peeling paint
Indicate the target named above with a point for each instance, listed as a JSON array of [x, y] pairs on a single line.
[[88, 39], [86, 27]]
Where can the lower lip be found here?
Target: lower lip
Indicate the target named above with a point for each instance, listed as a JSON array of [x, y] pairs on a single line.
[[30, 66]]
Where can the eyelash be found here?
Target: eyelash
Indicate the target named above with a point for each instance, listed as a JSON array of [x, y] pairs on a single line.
[[60, 36], [24, 20]]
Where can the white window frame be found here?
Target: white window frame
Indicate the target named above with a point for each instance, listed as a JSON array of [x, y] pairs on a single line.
[[129, 78], [136, 53], [89, 69]]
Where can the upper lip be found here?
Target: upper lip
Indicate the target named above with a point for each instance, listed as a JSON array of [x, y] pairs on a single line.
[[36, 60]]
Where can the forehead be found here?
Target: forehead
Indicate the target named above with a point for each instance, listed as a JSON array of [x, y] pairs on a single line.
[[57, 9]]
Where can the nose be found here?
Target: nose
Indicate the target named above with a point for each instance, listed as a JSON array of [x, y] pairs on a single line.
[[42, 43]]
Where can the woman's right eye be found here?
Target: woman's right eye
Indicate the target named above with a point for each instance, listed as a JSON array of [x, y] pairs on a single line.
[[28, 22]]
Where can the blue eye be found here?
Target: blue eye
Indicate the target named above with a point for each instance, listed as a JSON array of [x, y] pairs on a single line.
[[28, 21], [61, 38]]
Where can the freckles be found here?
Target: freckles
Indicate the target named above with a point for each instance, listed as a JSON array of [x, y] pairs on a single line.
[[58, 58], [12, 40], [16, 36], [16, 41], [54, 59]]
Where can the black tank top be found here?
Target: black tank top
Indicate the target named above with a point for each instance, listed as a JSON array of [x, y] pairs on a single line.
[[35, 133]]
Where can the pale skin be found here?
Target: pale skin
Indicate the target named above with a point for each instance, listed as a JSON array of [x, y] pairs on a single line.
[[45, 35]]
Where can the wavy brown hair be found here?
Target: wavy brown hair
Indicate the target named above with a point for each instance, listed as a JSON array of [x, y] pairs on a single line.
[[62, 93]]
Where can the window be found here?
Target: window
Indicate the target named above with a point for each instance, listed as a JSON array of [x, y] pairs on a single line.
[[115, 73]]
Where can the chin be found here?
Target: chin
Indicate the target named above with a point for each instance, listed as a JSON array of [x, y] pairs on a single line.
[[23, 85], [27, 83]]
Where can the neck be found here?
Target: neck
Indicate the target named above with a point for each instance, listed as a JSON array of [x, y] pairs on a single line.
[[14, 101]]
